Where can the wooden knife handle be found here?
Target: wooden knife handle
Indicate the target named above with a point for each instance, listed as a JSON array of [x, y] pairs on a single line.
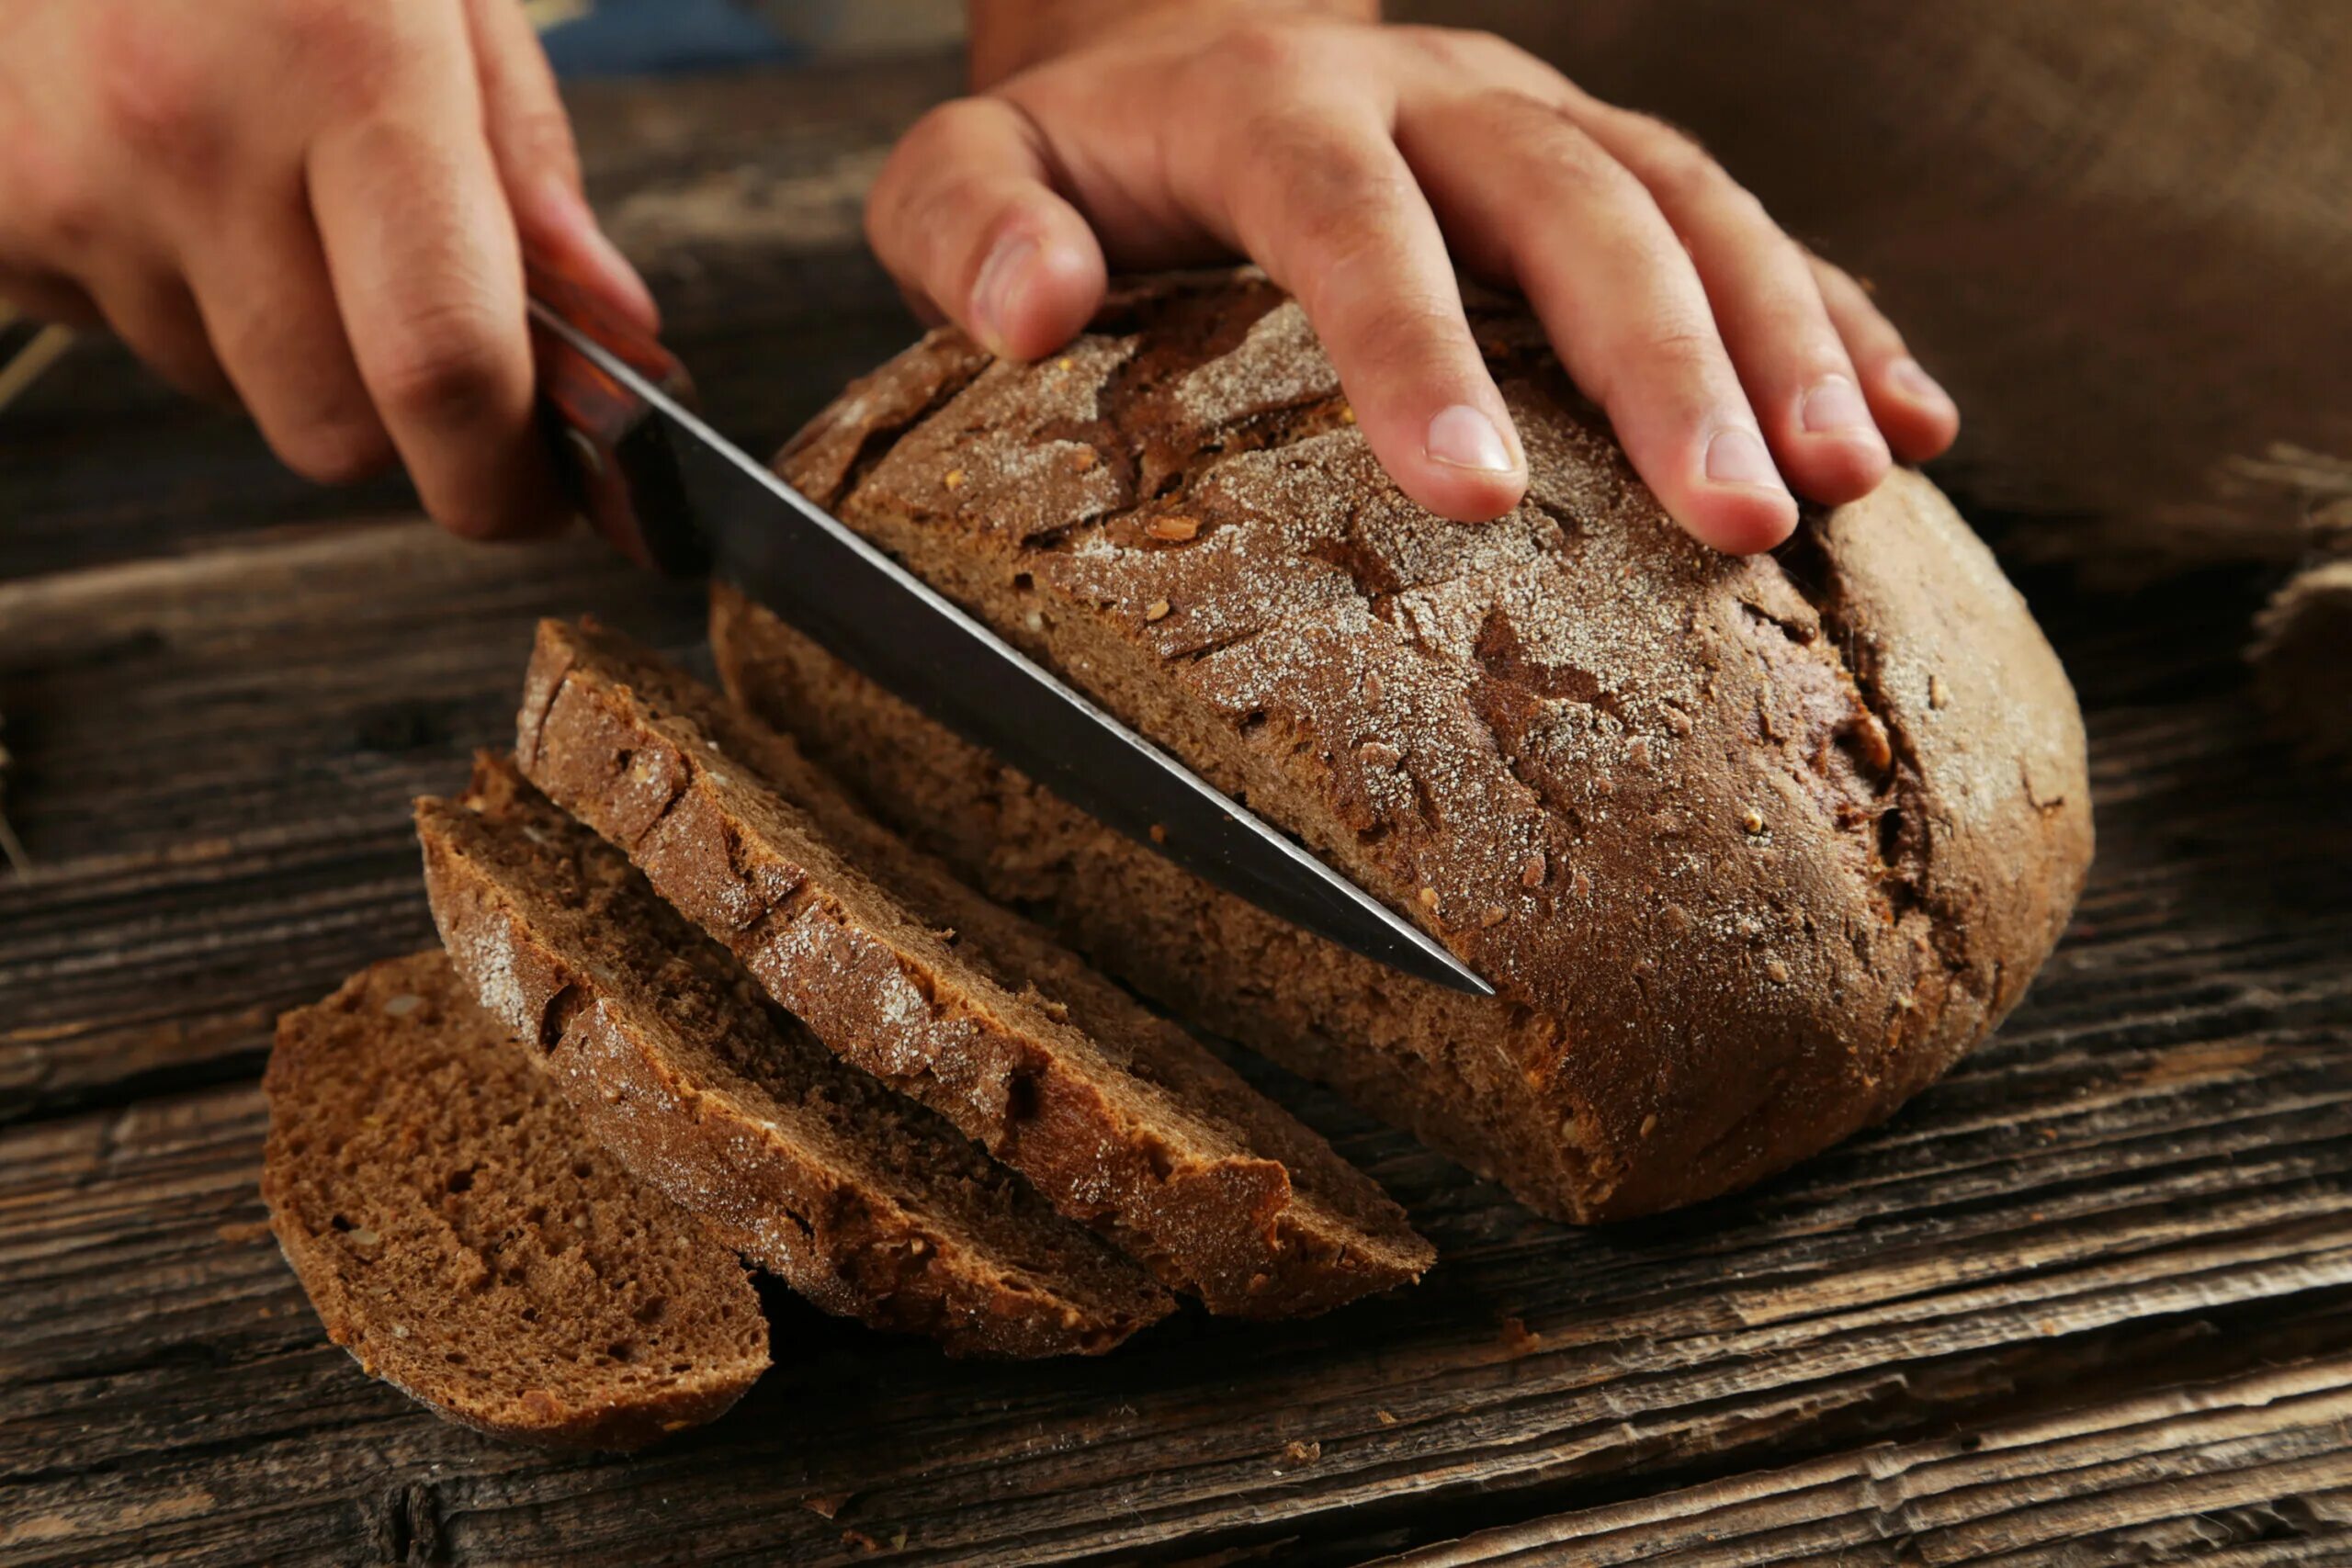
[[609, 445]]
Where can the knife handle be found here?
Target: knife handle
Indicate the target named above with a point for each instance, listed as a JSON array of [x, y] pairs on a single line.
[[609, 445]]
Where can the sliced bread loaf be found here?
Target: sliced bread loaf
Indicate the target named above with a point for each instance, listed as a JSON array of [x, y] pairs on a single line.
[[1752, 848], [862, 1200], [1119, 1117], [460, 1234]]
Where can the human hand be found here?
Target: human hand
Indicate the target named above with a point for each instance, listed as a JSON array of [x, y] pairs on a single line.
[[1345, 157], [311, 206]]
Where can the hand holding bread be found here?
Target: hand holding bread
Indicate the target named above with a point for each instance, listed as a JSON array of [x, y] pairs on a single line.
[[1359, 165]]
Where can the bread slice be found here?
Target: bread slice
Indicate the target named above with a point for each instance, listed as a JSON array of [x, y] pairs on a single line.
[[460, 1234], [864, 1202], [1119, 1117]]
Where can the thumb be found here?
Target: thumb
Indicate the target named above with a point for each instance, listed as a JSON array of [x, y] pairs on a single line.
[[964, 218], [530, 138]]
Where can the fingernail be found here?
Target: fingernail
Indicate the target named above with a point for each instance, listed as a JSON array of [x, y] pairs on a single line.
[[1914, 383], [1737, 457], [1835, 404], [1461, 437], [993, 292], [563, 215]]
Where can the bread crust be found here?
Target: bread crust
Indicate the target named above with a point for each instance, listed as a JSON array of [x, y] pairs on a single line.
[[869, 1208], [1752, 849], [1120, 1119]]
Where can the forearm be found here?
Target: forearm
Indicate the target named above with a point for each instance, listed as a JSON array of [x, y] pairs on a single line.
[[1008, 36]]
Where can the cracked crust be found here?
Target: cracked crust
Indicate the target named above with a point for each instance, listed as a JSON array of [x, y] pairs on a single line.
[[867, 1204], [1752, 849], [1121, 1119]]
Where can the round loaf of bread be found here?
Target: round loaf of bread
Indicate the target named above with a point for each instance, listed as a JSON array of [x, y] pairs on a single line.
[[1752, 849]]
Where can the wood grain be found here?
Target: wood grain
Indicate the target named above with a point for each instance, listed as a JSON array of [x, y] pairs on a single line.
[[2145, 1178], [216, 754], [2087, 1301], [2152, 1478]]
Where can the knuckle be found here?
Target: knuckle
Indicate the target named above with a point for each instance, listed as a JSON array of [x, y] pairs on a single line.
[[333, 452], [1398, 331], [1262, 48], [155, 97], [939, 130], [1324, 243], [1841, 290], [1560, 158], [931, 217], [899, 203], [541, 139], [446, 368], [61, 218], [1678, 168], [1684, 350], [1458, 49], [1559, 153], [1669, 359], [351, 52], [334, 29], [1320, 166]]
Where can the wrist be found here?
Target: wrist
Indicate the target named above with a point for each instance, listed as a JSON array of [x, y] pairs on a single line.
[[1009, 35]]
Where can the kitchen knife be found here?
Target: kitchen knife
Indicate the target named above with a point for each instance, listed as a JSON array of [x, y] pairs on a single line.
[[673, 493]]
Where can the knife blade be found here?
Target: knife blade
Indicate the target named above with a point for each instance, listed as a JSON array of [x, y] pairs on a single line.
[[673, 492]]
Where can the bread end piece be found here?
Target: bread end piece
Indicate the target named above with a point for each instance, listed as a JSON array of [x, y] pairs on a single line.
[[460, 1234]]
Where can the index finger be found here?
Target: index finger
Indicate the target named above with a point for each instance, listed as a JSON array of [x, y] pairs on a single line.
[[428, 279], [1330, 208]]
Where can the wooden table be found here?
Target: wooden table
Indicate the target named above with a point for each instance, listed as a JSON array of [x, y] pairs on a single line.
[[2096, 1288]]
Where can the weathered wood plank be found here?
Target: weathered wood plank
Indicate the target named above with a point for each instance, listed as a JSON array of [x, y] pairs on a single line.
[[216, 754], [2096, 1284], [163, 1343], [2258, 1462], [149, 1353]]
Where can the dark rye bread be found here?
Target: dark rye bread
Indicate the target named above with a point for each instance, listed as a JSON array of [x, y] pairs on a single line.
[[1119, 1117], [460, 1234], [1753, 849], [862, 1201]]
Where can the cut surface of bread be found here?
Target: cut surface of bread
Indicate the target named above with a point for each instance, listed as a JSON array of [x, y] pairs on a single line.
[[1118, 1116], [864, 1202], [1752, 848], [461, 1236]]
